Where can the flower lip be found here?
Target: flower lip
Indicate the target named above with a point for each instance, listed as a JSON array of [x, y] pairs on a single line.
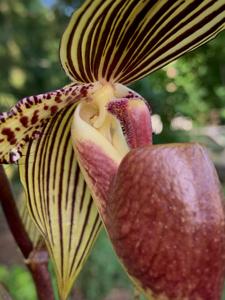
[[165, 218]]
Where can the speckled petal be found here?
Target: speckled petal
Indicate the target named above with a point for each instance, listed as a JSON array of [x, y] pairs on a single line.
[[26, 119]]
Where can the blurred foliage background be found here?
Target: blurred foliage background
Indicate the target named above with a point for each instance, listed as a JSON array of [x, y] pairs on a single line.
[[187, 100]]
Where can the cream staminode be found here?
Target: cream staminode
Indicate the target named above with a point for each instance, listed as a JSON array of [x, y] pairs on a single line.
[[93, 122]]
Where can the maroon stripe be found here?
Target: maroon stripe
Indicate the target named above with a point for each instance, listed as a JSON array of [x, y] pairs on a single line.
[[36, 165], [73, 204], [68, 114], [82, 234], [88, 50], [42, 166], [93, 38], [28, 186], [114, 38], [81, 63], [144, 37], [59, 196], [63, 142], [69, 47], [162, 34], [83, 196], [137, 73], [98, 56], [129, 35], [184, 23], [91, 239], [72, 169]]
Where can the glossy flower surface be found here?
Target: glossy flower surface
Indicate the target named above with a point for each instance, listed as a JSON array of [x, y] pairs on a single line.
[[70, 144]]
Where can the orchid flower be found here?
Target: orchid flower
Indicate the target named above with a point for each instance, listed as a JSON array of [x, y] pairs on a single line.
[[92, 139]]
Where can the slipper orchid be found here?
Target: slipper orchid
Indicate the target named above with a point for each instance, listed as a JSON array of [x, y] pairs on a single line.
[[161, 205]]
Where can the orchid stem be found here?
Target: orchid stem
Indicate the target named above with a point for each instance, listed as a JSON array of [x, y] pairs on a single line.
[[36, 258], [38, 265], [12, 216]]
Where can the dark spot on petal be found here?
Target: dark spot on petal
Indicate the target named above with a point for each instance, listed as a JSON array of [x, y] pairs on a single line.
[[24, 121], [36, 100], [27, 105], [54, 109], [83, 91], [30, 101], [10, 135], [35, 117], [58, 99], [36, 134]]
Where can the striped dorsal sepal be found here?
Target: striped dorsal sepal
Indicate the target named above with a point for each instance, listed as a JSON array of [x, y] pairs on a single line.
[[124, 40]]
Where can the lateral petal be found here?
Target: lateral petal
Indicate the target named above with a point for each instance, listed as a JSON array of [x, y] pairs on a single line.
[[25, 120], [125, 40], [58, 198]]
